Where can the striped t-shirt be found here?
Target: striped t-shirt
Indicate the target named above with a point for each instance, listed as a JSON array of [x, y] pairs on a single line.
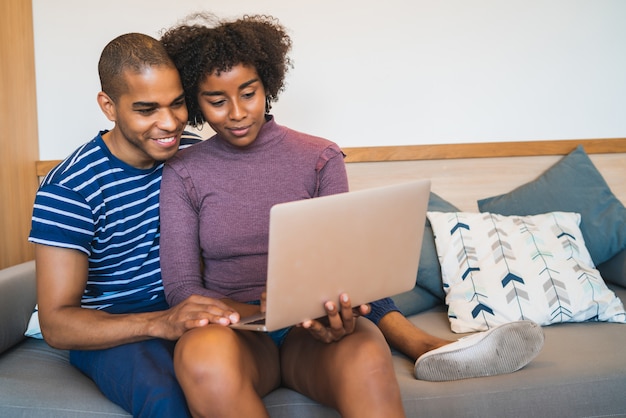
[[95, 203]]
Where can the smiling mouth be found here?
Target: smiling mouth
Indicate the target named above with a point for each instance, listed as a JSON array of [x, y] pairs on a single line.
[[166, 141]]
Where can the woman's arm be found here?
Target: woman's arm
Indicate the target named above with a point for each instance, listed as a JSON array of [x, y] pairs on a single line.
[[332, 177], [179, 243]]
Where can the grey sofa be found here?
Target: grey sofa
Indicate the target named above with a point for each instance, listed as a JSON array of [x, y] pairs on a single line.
[[580, 372]]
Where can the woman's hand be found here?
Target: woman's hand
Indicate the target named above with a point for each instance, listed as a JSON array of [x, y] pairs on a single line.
[[341, 322], [263, 301]]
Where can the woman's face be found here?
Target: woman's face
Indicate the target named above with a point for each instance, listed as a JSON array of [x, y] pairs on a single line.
[[233, 103]]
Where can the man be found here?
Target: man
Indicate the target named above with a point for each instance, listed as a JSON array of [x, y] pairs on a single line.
[[96, 229]]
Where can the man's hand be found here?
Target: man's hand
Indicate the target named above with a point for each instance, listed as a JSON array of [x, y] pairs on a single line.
[[195, 311], [341, 322]]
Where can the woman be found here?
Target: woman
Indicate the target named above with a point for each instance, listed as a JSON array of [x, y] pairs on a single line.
[[215, 202]]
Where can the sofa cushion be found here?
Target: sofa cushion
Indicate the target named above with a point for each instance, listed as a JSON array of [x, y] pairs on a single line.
[[428, 290], [498, 269], [580, 372], [38, 381], [572, 185]]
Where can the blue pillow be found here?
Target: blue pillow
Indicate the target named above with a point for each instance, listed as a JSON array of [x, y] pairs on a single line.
[[428, 291], [571, 185], [614, 270]]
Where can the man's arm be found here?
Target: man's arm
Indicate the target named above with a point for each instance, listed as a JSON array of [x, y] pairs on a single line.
[[61, 280]]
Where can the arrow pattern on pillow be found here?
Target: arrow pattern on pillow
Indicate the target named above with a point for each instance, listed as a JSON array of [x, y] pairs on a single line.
[[556, 291], [591, 281], [467, 256], [503, 252], [545, 268]]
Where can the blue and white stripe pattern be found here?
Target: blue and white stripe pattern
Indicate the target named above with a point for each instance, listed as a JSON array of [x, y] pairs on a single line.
[[94, 203]]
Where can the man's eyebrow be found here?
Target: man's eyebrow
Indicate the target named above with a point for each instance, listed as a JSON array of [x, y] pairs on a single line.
[[219, 93], [155, 104], [145, 104], [179, 98]]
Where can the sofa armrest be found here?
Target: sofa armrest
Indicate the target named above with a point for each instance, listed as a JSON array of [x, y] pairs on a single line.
[[18, 295]]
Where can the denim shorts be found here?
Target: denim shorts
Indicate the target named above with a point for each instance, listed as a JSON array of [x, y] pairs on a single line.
[[277, 336], [139, 377]]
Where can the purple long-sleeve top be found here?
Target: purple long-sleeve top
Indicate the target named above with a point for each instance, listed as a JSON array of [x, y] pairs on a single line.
[[215, 202]]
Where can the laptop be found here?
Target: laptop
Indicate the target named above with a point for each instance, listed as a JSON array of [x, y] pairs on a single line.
[[365, 243]]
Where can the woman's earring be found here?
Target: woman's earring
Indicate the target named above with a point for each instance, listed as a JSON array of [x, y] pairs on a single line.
[[198, 122], [268, 105]]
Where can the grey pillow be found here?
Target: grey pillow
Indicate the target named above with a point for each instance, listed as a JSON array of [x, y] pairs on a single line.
[[571, 185], [428, 291], [614, 270]]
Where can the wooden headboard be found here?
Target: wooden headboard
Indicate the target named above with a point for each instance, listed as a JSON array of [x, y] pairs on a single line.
[[464, 173]]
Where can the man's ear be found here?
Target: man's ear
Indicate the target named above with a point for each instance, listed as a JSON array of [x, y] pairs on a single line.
[[107, 105]]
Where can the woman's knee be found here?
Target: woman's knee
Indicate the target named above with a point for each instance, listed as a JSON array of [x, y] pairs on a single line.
[[208, 356], [369, 353]]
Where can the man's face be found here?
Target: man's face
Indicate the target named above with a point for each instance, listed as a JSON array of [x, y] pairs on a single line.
[[150, 116]]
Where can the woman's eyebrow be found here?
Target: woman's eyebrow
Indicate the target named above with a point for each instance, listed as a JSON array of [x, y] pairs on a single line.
[[220, 93]]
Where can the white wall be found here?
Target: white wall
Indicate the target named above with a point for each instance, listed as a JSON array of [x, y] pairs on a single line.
[[394, 72]]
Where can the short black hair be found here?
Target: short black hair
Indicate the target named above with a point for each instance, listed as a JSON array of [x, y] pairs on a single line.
[[131, 51]]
